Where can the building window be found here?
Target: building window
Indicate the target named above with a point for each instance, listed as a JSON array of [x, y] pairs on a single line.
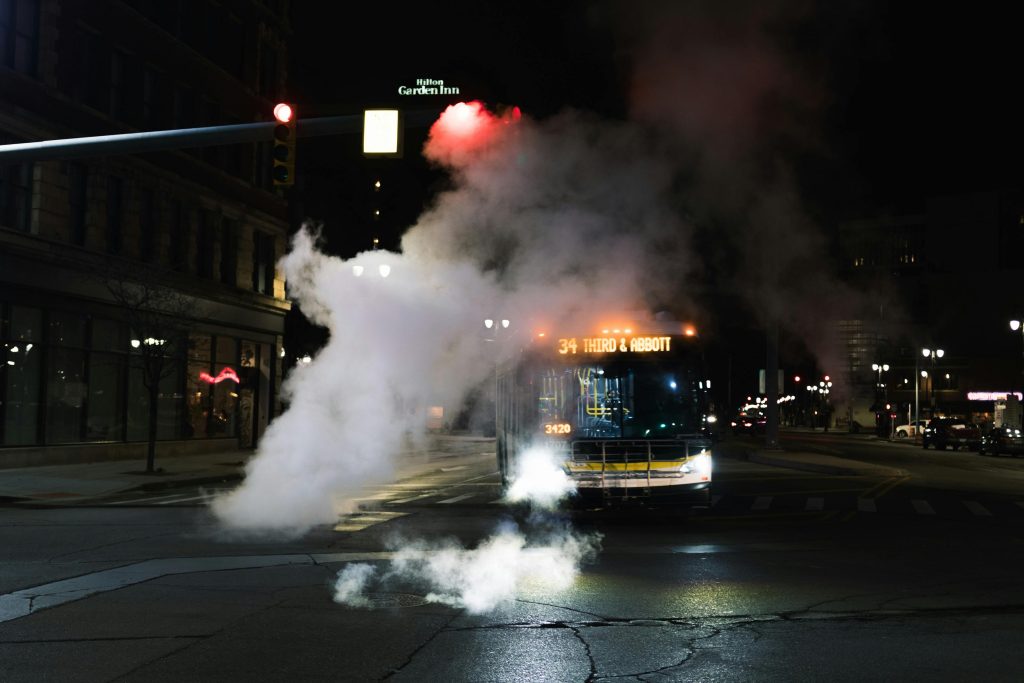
[[16, 195], [20, 385], [263, 263], [268, 71], [66, 386], [148, 226], [117, 85], [225, 393], [78, 202], [19, 35], [151, 109], [179, 235], [115, 208], [204, 251], [105, 405], [229, 252]]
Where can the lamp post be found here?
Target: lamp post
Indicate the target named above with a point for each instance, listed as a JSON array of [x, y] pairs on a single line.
[[884, 367], [1016, 325], [495, 328], [932, 354]]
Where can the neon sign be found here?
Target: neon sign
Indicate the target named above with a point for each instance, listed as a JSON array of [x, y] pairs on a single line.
[[226, 373], [639, 344], [993, 395]]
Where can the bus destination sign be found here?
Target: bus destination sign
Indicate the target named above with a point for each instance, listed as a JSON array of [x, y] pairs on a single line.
[[639, 344]]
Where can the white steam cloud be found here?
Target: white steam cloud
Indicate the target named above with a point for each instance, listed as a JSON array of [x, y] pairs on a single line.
[[540, 480], [547, 223], [477, 579]]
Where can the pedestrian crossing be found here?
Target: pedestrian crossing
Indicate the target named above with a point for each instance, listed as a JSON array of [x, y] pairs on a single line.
[[396, 497]]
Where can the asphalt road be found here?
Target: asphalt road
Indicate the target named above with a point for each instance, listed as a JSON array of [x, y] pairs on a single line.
[[789, 575]]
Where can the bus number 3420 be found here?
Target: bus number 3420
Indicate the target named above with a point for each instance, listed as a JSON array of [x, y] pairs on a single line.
[[555, 428]]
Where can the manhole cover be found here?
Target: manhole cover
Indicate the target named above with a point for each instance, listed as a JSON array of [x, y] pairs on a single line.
[[387, 600]]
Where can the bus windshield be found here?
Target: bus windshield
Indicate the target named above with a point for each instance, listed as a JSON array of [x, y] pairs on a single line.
[[629, 399]]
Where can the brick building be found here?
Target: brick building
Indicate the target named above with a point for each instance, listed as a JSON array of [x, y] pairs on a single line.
[[205, 226]]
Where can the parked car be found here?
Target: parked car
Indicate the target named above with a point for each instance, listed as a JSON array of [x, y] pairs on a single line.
[[914, 428], [1003, 440], [952, 432]]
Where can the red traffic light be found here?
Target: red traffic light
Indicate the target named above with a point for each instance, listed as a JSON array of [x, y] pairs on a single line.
[[283, 112]]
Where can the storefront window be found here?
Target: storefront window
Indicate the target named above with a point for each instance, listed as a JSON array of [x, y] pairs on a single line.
[[65, 395], [19, 376], [105, 407], [197, 389], [225, 391]]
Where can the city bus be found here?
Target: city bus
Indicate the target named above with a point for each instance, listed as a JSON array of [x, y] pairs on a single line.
[[628, 412]]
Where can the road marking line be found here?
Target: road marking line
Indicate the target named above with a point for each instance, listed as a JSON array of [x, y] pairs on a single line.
[[815, 504], [866, 505], [145, 500], [762, 503], [360, 521], [456, 499], [205, 496], [27, 601], [454, 468], [922, 507], [497, 501], [409, 500], [977, 508]]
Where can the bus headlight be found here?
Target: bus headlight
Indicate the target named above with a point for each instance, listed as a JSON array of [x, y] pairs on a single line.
[[701, 464], [712, 419]]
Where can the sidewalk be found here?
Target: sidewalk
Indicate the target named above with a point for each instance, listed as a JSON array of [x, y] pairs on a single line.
[[80, 482]]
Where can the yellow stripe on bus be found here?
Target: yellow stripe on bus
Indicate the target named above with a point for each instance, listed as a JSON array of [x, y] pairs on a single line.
[[625, 466]]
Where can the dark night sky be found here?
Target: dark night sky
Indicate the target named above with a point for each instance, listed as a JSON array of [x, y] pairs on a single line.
[[912, 99], [917, 98]]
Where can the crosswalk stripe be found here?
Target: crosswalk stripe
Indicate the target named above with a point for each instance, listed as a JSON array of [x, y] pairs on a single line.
[[977, 508], [866, 505], [409, 500], [922, 507], [145, 500], [762, 503], [815, 504], [456, 499], [205, 496]]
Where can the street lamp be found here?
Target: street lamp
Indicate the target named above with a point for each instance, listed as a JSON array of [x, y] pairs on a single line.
[[884, 367], [1016, 325], [932, 355], [496, 326]]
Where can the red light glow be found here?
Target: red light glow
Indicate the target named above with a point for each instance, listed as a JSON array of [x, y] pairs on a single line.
[[690, 330], [465, 129], [283, 112], [226, 373]]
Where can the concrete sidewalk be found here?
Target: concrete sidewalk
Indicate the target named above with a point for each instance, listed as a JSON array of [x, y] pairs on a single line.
[[79, 482]]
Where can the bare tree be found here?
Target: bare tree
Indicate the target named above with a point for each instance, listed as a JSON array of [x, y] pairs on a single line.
[[158, 317]]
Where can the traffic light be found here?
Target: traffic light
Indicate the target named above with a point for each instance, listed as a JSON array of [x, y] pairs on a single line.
[[283, 157]]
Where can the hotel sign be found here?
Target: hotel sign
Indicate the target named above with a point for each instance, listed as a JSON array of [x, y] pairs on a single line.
[[428, 86]]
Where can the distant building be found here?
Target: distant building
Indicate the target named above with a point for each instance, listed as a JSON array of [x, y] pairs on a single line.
[[946, 277], [207, 222]]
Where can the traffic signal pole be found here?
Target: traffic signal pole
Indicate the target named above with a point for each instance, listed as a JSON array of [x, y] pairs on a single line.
[[182, 138]]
